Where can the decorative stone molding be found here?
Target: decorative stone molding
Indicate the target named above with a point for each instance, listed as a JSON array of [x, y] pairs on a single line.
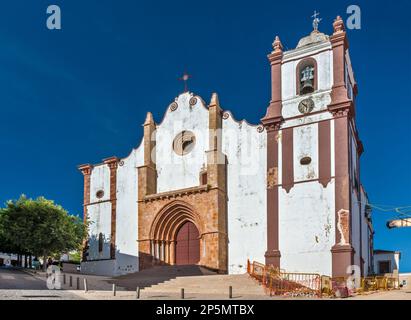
[[338, 25], [273, 126], [193, 101], [176, 193], [161, 215], [173, 106], [86, 170]]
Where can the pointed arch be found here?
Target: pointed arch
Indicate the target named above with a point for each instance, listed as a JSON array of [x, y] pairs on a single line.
[[165, 227], [168, 220]]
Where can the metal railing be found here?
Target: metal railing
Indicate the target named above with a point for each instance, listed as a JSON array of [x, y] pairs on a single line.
[[278, 282]]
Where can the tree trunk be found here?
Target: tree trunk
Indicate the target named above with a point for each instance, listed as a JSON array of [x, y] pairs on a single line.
[[44, 262], [30, 261], [25, 261]]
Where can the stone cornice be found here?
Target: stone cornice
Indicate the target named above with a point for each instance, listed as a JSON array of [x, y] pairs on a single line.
[[272, 123], [304, 51], [111, 162], [85, 169], [342, 109], [177, 193]]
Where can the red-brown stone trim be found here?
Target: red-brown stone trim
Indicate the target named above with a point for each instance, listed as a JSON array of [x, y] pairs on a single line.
[[272, 255], [169, 220], [113, 164], [340, 105], [342, 109], [342, 256], [272, 123], [86, 170], [274, 110], [324, 152], [177, 193], [287, 142], [307, 61]]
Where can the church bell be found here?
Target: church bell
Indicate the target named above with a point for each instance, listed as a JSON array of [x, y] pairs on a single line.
[[307, 77], [307, 86]]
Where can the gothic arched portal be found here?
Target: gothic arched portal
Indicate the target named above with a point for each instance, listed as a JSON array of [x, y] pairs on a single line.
[[174, 235]]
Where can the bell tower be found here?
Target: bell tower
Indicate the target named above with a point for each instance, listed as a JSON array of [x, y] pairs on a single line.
[[312, 149]]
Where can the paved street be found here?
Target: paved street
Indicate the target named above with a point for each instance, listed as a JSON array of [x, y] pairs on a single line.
[[18, 285]]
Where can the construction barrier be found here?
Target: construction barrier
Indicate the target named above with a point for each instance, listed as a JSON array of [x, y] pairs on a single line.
[[295, 284], [278, 282]]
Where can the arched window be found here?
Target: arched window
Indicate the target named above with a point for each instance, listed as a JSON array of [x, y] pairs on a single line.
[[306, 76], [100, 242]]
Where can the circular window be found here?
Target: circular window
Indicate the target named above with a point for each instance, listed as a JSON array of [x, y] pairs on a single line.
[[184, 143], [100, 194]]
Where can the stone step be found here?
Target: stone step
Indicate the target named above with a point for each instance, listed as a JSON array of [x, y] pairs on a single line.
[[217, 284], [159, 275]]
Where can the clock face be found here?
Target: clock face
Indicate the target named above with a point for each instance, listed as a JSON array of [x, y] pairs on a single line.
[[306, 106]]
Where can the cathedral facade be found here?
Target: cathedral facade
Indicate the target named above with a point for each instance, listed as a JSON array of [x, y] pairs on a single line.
[[203, 188]]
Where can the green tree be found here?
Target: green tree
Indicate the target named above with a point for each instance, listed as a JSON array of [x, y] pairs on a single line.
[[40, 227]]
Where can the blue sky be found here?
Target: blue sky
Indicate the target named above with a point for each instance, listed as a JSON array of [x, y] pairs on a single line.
[[80, 94]]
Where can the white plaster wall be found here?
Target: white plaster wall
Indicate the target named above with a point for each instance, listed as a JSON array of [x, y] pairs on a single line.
[[321, 101], [305, 145], [100, 180], [127, 212], [169, 164], [365, 235], [100, 221], [246, 149], [355, 228], [355, 205], [307, 227], [100, 268]]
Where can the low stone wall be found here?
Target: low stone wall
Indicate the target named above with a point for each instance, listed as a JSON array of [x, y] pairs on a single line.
[[70, 267]]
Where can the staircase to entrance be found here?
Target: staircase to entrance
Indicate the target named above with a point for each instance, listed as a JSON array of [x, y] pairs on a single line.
[[193, 279]]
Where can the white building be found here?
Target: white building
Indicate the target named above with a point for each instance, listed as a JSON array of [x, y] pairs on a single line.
[[203, 188], [7, 259], [386, 261]]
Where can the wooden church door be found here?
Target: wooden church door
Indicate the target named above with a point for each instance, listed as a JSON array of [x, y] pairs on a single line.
[[188, 245]]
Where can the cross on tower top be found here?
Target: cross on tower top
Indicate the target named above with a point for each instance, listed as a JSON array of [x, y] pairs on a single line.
[[185, 78], [316, 20]]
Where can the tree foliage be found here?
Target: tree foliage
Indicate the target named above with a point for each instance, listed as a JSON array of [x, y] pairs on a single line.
[[39, 227]]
